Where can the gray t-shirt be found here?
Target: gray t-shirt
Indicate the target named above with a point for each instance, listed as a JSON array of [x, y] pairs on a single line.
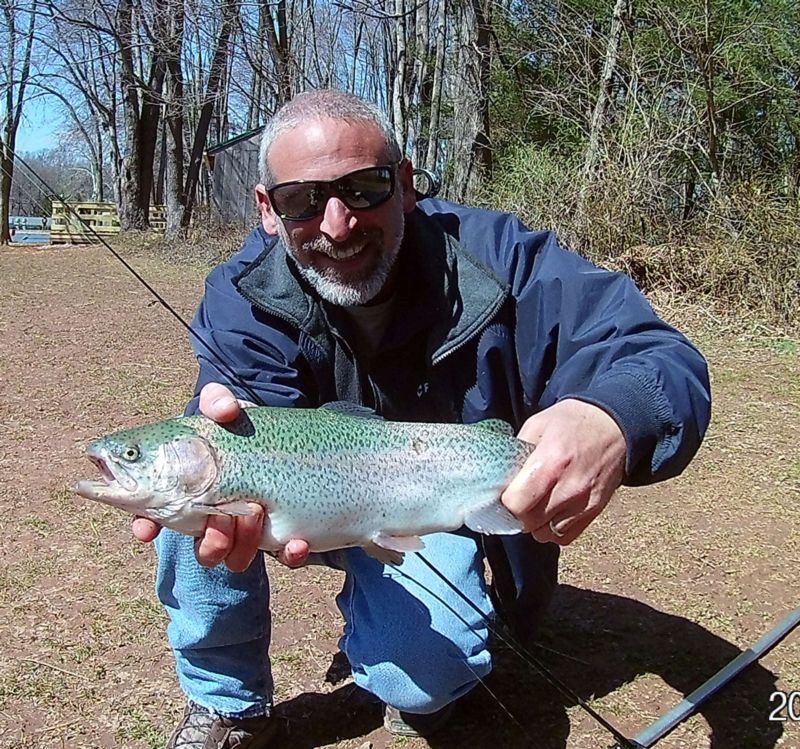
[[370, 323]]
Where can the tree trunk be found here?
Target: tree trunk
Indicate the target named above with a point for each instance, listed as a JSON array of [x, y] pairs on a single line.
[[99, 159], [131, 215], [472, 155], [420, 89], [432, 155], [708, 71], [230, 13], [257, 84], [399, 84], [279, 47], [174, 198], [618, 19], [148, 127], [13, 111]]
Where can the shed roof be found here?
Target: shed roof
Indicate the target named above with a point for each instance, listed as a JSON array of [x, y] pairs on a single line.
[[236, 139]]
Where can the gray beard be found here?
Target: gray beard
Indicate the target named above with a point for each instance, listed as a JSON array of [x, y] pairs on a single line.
[[329, 287]]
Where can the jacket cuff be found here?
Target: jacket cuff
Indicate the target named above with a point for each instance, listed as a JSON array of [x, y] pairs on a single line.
[[643, 413]]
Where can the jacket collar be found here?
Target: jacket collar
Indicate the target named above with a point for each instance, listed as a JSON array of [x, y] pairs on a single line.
[[441, 287]]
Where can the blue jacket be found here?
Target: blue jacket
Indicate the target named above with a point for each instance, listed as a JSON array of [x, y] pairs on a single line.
[[491, 320]]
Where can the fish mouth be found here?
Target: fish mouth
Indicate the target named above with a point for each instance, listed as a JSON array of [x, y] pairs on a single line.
[[109, 477], [111, 489]]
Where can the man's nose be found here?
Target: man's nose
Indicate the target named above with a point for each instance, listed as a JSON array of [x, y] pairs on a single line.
[[338, 220]]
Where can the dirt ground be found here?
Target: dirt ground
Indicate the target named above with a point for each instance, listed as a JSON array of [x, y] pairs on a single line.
[[669, 585]]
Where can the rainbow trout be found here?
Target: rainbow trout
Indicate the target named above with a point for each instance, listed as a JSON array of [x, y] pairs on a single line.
[[336, 476]]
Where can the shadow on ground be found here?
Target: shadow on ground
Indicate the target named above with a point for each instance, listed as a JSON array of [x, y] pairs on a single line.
[[603, 642]]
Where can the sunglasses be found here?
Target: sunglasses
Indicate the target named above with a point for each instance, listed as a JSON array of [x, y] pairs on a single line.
[[303, 200]]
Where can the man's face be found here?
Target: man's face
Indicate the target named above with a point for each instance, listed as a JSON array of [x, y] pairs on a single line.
[[346, 254]]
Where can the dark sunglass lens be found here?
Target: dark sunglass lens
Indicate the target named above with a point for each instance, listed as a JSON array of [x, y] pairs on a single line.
[[301, 200], [366, 189]]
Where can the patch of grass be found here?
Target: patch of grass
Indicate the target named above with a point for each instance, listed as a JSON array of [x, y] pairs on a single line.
[[41, 525], [785, 346], [64, 498], [730, 376], [136, 726], [145, 611], [793, 472], [15, 581], [35, 683], [285, 658]]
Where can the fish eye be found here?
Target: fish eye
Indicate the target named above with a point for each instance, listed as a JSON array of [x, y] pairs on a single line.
[[130, 453]]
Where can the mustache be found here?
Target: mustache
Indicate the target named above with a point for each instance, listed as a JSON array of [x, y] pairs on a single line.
[[357, 239]]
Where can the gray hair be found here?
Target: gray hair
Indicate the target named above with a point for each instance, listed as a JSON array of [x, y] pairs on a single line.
[[327, 104]]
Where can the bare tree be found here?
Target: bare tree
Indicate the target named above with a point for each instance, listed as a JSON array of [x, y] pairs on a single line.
[[230, 11], [398, 83], [140, 105], [16, 73], [172, 28], [81, 72], [471, 153], [619, 15], [432, 153]]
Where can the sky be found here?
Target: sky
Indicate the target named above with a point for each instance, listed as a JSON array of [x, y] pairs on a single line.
[[39, 127]]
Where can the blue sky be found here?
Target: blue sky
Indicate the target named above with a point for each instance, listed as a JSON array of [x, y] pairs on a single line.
[[38, 128]]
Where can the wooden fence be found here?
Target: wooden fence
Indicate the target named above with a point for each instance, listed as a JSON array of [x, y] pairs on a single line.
[[101, 217]]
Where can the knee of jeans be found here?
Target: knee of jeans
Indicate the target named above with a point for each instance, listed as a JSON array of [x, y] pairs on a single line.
[[434, 687]]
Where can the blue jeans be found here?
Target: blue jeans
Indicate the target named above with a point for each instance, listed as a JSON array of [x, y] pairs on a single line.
[[411, 641]]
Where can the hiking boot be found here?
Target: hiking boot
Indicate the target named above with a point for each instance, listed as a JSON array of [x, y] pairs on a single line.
[[201, 729], [400, 723]]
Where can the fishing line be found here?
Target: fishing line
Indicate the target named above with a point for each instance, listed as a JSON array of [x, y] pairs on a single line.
[[234, 377], [534, 662], [220, 364], [486, 620]]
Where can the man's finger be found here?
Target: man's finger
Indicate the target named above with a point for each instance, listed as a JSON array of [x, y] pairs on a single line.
[[563, 531], [218, 403], [145, 530], [294, 554], [530, 486], [217, 541], [247, 539]]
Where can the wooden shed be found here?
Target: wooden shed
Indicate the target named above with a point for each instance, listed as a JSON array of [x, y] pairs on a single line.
[[234, 175]]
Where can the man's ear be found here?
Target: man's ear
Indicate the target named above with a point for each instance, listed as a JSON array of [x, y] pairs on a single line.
[[268, 220], [405, 174]]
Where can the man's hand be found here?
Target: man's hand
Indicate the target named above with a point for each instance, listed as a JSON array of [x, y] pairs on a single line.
[[578, 463], [233, 540]]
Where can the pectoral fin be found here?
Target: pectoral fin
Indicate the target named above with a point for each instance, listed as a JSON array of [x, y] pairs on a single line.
[[238, 508], [493, 519]]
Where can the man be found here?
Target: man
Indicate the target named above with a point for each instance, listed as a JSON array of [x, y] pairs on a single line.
[[350, 291]]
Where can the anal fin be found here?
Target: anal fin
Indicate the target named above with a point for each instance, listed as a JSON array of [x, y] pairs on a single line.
[[387, 556], [390, 549]]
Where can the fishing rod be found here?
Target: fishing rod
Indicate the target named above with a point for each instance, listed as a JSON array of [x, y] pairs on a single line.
[[724, 676]]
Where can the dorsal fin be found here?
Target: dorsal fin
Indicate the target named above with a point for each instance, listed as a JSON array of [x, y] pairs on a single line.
[[346, 408], [495, 425]]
